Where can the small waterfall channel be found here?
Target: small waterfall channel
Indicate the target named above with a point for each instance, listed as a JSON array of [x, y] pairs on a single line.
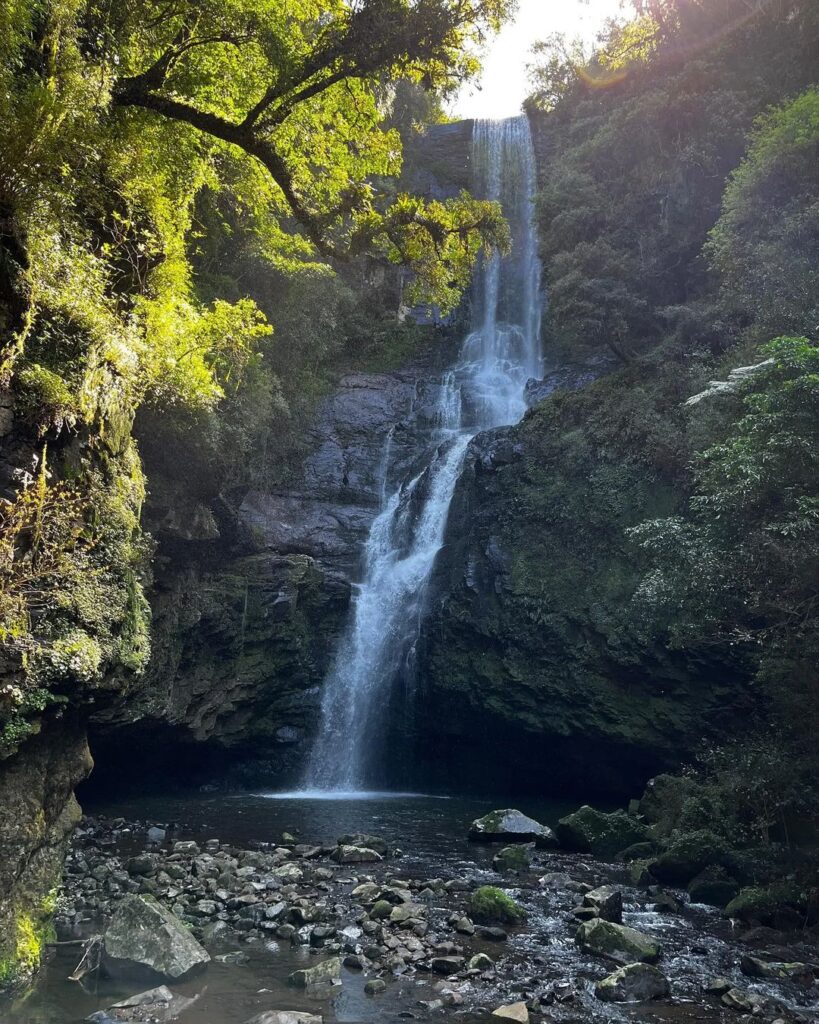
[[484, 389]]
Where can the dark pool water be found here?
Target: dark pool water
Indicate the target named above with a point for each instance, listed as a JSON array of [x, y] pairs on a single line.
[[431, 833]]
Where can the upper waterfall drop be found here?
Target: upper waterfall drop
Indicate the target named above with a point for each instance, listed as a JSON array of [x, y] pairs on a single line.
[[484, 389]]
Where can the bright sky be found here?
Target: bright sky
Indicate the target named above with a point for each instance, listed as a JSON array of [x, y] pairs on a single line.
[[504, 84]]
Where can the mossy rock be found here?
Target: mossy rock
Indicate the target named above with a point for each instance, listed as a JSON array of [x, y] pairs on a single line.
[[512, 858], [761, 903], [687, 856], [639, 851], [617, 942], [490, 905], [381, 910], [604, 835]]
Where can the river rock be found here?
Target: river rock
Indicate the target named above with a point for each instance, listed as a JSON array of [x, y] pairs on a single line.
[[156, 1004], [588, 830], [753, 967], [512, 858], [513, 1011], [144, 938], [285, 1017], [736, 999], [634, 983], [354, 855], [367, 841], [375, 986], [366, 892], [717, 986], [481, 962], [607, 901], [328, 972], [511, 826], [616, 941], [446, 964]]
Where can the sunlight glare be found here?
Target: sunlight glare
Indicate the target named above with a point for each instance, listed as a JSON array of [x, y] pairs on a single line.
[[504, 83]]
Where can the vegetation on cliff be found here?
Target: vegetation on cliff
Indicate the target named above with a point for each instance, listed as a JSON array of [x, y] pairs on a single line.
[[141, 141], [642, 554]]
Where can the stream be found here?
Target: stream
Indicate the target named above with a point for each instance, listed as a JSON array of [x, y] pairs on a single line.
[[431, 835]]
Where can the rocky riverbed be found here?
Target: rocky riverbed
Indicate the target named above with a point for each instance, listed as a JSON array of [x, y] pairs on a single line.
[[351, 927]]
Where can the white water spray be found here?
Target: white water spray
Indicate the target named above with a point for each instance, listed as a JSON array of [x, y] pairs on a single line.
[[485, 389]]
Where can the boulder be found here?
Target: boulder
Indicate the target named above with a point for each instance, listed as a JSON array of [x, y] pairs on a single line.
[[607, 901], [157, 1004], [512, 858], [375, 986], [713, 886], [144, 939], [736, 999], [366, 841], [328, 972], [764, 904], [618, 942], [634, 983], [513, 1011], [753, 967], [446, 964], [511, 826], [354, 855], [686, 857], [481, 962], [489, 905], [591, 831]]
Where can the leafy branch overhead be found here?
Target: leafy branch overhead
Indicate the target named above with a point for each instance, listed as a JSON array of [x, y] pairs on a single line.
[[294, 86]]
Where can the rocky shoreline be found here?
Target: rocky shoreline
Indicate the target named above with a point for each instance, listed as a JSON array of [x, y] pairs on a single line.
[[536, 932]]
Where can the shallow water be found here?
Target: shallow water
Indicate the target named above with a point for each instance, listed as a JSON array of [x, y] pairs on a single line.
[[431, 832]]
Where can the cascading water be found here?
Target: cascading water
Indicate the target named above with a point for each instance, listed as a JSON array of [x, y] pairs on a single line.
[[484, 389]]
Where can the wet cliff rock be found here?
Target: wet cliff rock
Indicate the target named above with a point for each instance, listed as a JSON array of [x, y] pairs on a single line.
[[537, 665], [39, 812]]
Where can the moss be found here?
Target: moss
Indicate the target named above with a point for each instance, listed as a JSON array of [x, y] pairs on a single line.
[[32, 935], [490, 905]]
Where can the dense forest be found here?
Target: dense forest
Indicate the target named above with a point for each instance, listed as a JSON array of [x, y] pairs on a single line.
[[213, 217]]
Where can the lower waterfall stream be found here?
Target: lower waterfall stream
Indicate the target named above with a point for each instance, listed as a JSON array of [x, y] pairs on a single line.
[[484, 389]]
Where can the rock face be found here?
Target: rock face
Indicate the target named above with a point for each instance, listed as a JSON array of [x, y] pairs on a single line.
[[535, 668], [635, 983], [144, 938], [38, 812], [247, 614]]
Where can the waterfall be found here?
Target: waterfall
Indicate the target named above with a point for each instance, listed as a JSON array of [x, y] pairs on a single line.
[[484, 389]]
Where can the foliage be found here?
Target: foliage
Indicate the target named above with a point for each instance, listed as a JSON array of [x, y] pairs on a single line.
[[766, 243], [636, 164]]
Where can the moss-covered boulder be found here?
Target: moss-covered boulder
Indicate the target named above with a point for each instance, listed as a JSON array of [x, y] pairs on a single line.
[[512, 858], [687, 856], [588, 830], [763, 903], [617, 942], [490, 905]]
